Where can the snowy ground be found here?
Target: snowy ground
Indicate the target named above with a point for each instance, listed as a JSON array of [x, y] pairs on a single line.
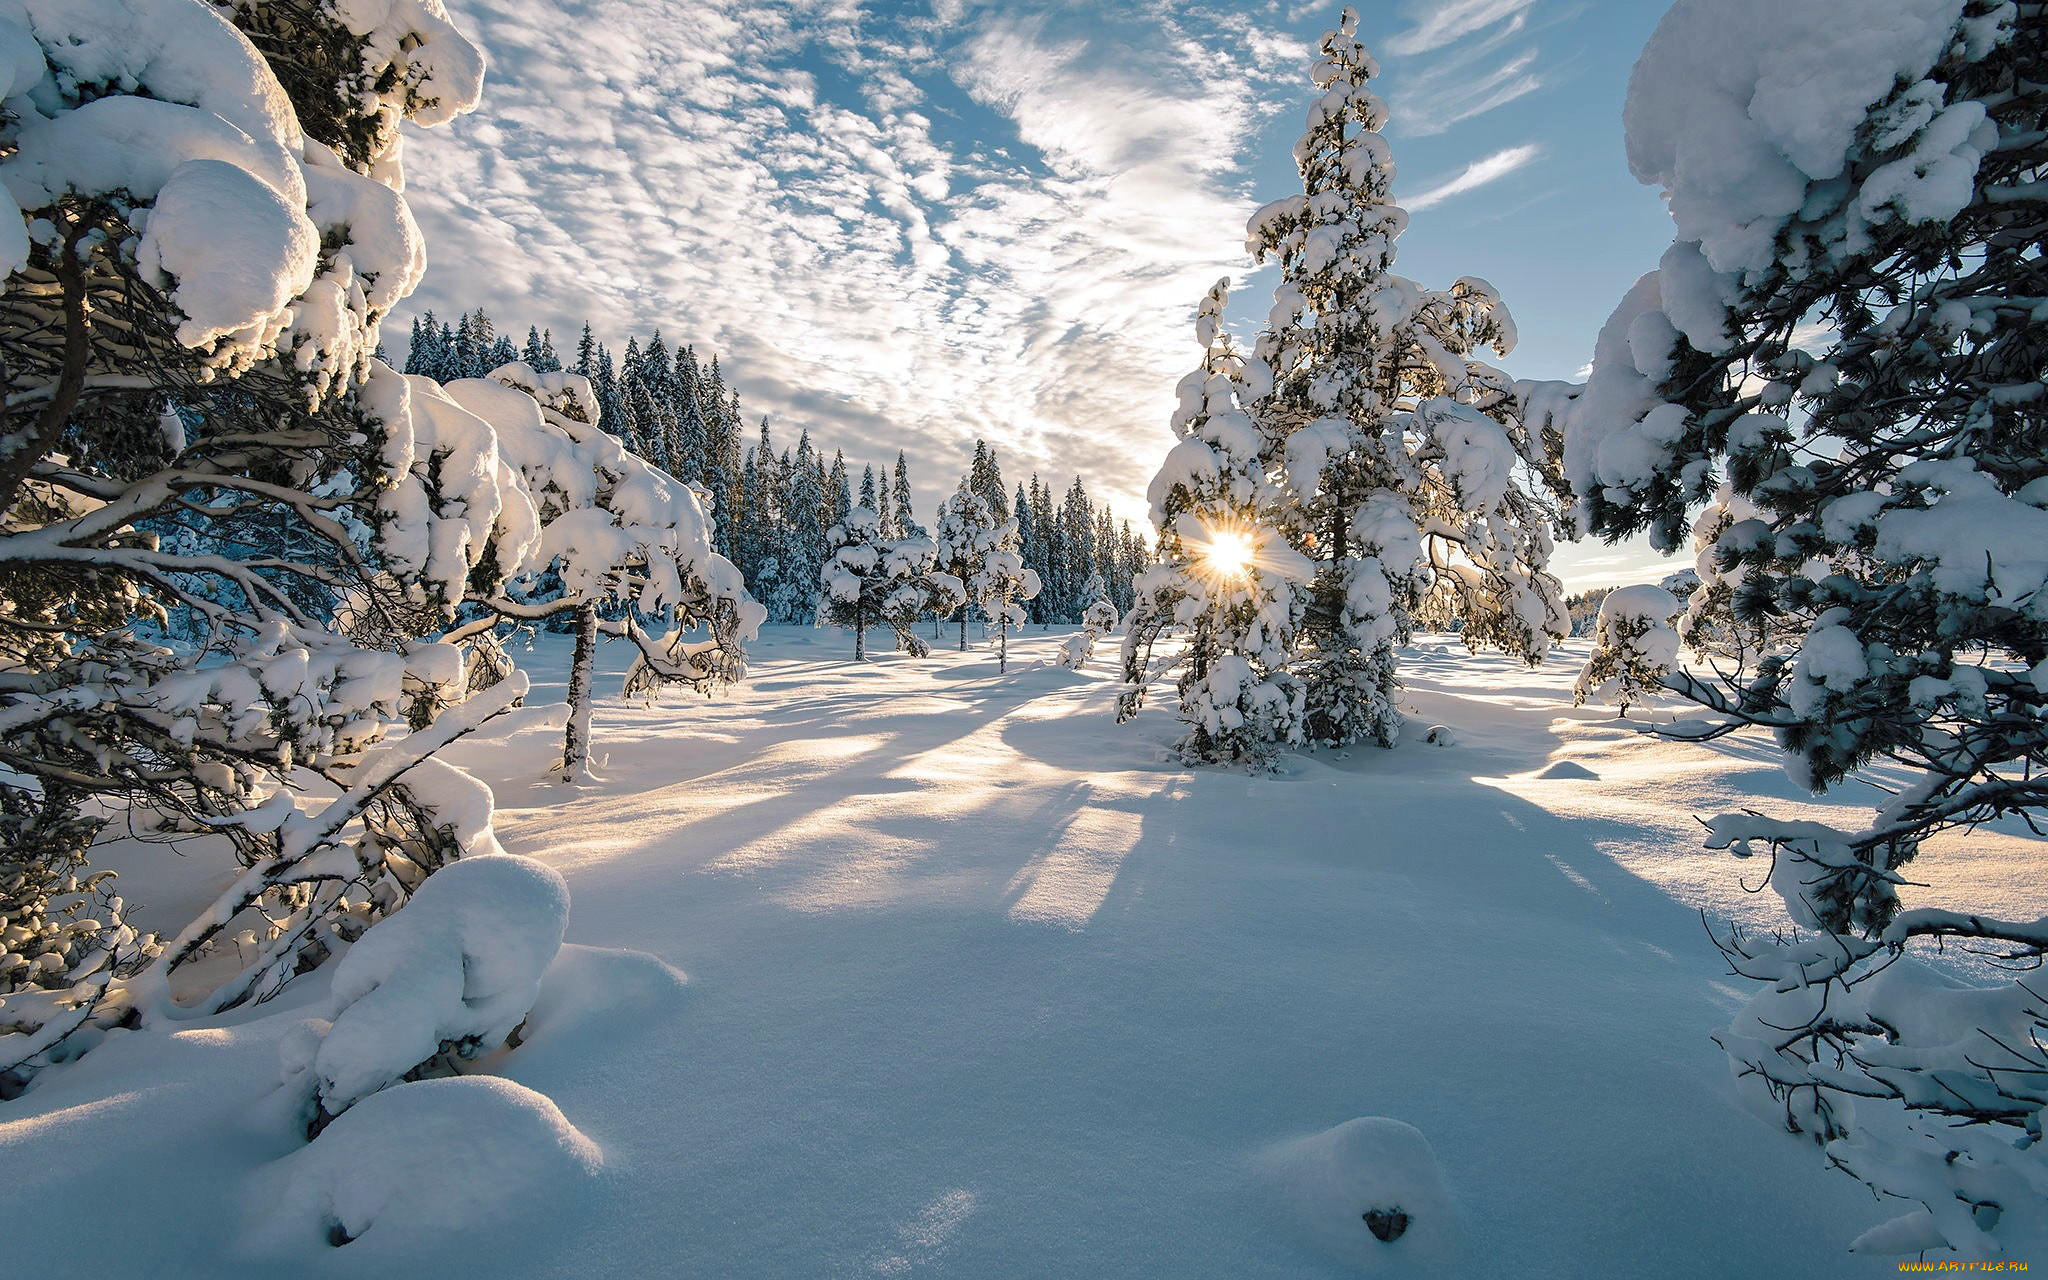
[[978, 985]]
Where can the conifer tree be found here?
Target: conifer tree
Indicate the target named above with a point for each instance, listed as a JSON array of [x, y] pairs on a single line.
[[1838, 366], [902, 497], [1226, 582], [1408, 473], [967, 533]]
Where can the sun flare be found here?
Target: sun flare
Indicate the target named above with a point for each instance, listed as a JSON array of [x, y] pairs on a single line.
[[1229, 553]]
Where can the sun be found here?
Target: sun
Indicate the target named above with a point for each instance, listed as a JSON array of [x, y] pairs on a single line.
[[1228, 553]]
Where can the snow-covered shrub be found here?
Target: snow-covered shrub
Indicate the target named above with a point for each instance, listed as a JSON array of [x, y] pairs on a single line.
[[451, 976], [1840, 357], [1097, 621], [1633, 646]]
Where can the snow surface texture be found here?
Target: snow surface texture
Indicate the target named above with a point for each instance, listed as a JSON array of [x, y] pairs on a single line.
[[981, 986]]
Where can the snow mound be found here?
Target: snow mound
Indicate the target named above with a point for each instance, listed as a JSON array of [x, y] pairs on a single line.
[[1346, 1188], [404, 1168], [458, 966], [1568, 769]]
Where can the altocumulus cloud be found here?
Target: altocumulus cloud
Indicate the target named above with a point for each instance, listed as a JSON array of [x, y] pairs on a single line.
[[901, 230]]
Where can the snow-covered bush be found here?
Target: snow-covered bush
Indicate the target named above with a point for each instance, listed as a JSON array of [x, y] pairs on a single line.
[[412, 1163], [1633, 646], [451, 976], [1097, 621], [1846, 333]]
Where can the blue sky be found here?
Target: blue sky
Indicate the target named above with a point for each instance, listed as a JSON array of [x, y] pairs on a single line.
[[908, 225]]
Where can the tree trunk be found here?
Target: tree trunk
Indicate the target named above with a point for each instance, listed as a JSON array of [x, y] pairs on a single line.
[[576, 742], [860, 634], [1002, 648], [963, 627]]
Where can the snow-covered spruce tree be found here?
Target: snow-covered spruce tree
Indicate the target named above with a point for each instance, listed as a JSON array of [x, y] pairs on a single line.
[[1412, 484], [1634, 647], [1226, 592], [1097, 621], [199, 241], [623, 540], [1001, 585], [967, 533], [1848, 331]]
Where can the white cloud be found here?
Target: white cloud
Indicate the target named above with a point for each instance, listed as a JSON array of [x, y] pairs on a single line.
[[1477, 174], [1443, 22], [899, 232], [1433, 103]]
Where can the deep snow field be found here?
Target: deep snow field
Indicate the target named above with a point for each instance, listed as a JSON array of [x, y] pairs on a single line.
[[911, 968]]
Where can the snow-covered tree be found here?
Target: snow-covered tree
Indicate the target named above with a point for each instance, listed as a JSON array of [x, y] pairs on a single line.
[[1002, 583], [917, 589], [1097, 621], [1225, 583], [1847, 332], [191, 312], [623, 540], [857, 577], [1409, 475], [967, 533], [1634, 646]]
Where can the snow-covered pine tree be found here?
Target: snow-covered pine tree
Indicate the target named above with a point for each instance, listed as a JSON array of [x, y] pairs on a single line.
[[1001, 584], [1848, 330], [900, 491], [1409, 473], [985, 478], [838, 492], [857, 577], [917, 589], [802, 545], [191, 329], [1098, 619], [1028, 546], [1226, 583], [1634, 646], [967, 533], [621, 537]]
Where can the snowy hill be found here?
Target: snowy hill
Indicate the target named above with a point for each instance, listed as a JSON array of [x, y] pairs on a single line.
[[909, 968]]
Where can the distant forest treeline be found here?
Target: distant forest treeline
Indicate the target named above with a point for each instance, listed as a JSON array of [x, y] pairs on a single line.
[[773, 508]]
